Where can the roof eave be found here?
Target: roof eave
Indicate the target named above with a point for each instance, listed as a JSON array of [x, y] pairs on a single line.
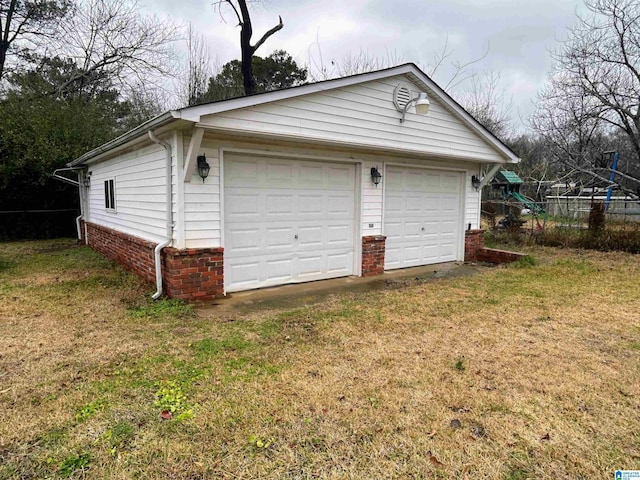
[[141, 129]]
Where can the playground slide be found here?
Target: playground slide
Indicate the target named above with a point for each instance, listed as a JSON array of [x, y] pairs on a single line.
[[530, 204]]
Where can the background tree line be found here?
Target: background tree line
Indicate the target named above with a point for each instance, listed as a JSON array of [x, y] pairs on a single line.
[[76, 73]]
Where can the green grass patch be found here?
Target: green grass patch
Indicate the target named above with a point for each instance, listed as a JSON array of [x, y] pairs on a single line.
[[162, 308], [527, 261], [73, 464], [89, 410], [213, 346]]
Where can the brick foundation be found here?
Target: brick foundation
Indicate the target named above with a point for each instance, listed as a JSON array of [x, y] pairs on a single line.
[[475, 251], [194, 273], [373, 255], [191, 274]]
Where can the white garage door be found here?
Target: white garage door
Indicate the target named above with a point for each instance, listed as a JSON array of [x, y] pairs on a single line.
[[422, 216], [286, 221]]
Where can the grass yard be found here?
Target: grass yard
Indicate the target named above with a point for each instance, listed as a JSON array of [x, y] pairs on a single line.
[[521, 372]]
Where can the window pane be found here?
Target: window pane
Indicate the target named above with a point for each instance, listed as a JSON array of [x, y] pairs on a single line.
[[112, 194], [106, 194]]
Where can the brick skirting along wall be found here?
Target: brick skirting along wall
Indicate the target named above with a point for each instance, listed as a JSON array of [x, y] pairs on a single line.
[[373, 255], [475, 251], [191, 274]]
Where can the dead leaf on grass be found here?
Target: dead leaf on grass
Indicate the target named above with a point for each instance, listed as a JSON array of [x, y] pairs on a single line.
[[455, 423], [434, 460], [432, 434], [546, 436], [166, 415], [465, 471]]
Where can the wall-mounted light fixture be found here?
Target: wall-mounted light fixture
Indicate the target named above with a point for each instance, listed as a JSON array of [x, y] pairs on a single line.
[[203, 167], [376, 176], [475, 182], [421, 103]]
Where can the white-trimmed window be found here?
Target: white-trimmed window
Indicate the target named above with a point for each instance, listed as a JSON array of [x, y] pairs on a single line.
[[110, 194]]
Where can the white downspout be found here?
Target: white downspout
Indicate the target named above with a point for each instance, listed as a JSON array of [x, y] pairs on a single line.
[[169, 206], [82, 194]]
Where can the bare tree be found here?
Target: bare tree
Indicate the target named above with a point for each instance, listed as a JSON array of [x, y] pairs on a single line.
[[351, 64], [602, 60], [111, 39], [593, 95], [461, 71], [487, 103], [241, 12], [23, 24], [198, 68]]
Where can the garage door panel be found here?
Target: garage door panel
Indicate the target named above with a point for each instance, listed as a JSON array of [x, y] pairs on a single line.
[[245, 271], [422, 216], [276, 172], [279, 205], [311, 265], [244, 240], [279, 238], [340, 205], [340, 177], [311, 204], [278, 269], [242, 173], [271, 202], [242, 206], [412, 231], [336, 262]]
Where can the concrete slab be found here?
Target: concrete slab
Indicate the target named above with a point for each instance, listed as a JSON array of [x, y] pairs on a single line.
[[309, 293]]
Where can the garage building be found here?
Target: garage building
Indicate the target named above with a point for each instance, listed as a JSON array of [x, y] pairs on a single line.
[[352, 176]]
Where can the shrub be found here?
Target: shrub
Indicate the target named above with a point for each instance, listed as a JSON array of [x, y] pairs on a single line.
[[624, 238]]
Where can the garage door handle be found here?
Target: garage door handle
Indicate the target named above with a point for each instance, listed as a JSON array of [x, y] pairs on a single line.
[[295, 236], [423, 229]]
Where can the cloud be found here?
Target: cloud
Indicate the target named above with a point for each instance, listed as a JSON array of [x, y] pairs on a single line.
[[516, 35]]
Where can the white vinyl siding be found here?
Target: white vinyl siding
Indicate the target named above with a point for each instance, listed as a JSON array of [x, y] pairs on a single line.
[[202, 203], [372, 200], [361, 115], [140, 193]]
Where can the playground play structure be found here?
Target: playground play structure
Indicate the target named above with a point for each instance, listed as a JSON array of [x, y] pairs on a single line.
[[568, 201], [509, 183]]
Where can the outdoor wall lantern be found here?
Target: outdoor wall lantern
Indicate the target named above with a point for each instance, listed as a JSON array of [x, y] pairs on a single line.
[[203, 167], [375, 176], [421, 103], [475, 182]]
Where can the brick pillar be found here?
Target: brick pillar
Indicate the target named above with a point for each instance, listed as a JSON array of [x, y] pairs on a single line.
[[373, 255], [473, 245], [194, 273]]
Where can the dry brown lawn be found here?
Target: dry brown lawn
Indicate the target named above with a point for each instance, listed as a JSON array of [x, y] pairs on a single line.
[[521, 372]]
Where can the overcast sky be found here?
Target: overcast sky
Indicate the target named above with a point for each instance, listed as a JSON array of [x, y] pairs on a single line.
[[517, 34]]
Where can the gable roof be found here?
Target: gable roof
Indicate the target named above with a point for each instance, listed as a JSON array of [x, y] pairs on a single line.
[[194, 113]]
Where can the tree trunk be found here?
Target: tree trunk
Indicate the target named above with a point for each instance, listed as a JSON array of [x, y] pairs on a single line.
[[3, 58]]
